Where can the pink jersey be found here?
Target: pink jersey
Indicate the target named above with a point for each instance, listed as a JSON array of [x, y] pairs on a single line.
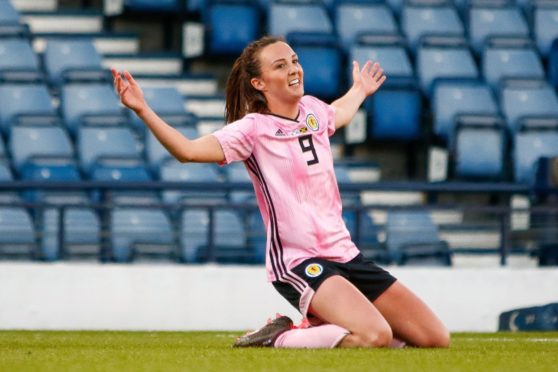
[[291, 167]]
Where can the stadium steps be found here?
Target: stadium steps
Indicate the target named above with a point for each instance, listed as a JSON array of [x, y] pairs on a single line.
[[105, 42], [67, 22], [167, 64]]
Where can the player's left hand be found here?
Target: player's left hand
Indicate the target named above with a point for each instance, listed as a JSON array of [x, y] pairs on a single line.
[[370, 78]]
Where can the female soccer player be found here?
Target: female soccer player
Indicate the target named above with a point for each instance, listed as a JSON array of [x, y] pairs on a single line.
[[282, 136]]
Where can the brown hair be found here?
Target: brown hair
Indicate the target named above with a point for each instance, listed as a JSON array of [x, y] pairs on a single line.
[[241, 97]]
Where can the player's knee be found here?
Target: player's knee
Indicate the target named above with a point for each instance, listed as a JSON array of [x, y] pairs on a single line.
[[376, 338], [436, 339]]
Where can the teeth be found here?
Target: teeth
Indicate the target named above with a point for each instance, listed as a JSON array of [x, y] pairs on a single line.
[[293, 82]]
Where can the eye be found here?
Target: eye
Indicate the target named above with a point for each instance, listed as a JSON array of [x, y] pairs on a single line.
[[280, 65], [295, 61]]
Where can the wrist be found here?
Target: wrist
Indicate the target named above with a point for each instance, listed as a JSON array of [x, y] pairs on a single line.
[[142, 111]]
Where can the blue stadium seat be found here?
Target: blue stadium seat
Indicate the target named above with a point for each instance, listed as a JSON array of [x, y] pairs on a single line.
[[342, 175], [367, 236], [229, 237], [18, 62], [29, 143], [174, 171], [320, 79], [480, 147], [6, 175], [545, 25], [27, 103], [157, 154], [8, 13], [138, 233], [73, 59], [412, 239], [395, 111], [292, 16], [451, 98], [425, 18], [444, 58], [153, 5], [510, 58], [167, 102], [81, 239], [534, 139], [498, 18], [232, 24], [256, 236], [96, 144], [527, 98], [237, 172], [17, 233], [356, 17], [94, 103]]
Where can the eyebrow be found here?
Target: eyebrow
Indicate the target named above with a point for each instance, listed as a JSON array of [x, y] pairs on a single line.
[[282, 59]]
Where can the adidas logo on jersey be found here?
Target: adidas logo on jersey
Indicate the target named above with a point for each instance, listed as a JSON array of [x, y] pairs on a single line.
[[279, 133]]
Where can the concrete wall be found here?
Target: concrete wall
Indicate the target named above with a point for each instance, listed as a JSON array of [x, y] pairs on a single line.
[[173, 297]]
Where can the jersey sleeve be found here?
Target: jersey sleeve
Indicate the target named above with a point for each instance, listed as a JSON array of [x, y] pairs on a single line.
[[328, 112], [237, 139]]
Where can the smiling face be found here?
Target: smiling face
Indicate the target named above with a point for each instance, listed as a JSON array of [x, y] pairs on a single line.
[[281, 79]]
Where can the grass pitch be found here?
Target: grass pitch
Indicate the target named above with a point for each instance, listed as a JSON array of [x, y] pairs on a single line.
[[212, 351]]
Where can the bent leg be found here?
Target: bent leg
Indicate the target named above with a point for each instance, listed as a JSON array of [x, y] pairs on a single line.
[[339, 302], [410, 319]]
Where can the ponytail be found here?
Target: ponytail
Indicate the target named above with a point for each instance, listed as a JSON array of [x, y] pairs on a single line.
[[241, 97]]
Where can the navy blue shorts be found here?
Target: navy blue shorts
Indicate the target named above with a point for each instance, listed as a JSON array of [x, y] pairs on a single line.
[[364, 274]]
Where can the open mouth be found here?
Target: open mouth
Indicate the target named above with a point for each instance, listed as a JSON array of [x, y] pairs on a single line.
[[294, 82]]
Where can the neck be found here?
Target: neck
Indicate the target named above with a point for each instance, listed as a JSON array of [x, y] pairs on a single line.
[[286, 110]]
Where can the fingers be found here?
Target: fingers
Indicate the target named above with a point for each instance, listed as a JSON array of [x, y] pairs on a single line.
[[129, 77]]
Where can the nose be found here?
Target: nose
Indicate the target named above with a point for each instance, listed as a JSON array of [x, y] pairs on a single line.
[[293, 69]]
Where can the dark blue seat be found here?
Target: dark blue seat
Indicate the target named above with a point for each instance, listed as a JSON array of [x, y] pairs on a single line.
[[553, 64], [237, 172], [18, 62], [8, 13], [26, 103], [17, 233], [232, 24], [451, 98], [256, 236], [545, 25], [320, 79], [73, 59], [292, 16], [510, 58], [153, 5], [412, 239], [229, 237], [479, 147], [356, 17], [157, 154], [423, 18], [167, 102], [444, 58]]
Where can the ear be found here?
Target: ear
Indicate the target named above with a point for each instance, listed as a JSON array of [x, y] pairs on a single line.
[[258, 84]]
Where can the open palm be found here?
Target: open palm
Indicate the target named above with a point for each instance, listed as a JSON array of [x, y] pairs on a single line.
[[370, 78], [128, 90]]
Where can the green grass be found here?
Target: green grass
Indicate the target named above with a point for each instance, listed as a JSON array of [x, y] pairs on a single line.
[[211, 351]]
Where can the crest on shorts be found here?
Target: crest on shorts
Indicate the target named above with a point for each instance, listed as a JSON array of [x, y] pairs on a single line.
[[312, 122], [313, 270]]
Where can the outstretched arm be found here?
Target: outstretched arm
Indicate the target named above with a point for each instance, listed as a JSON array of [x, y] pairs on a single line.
[[365, 83], [205, 149]]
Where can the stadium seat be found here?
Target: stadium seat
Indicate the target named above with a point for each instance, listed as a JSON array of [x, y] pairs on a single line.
[[138, 233], [25, 103], [174, 171], [29, 143], [534, 139], [367, 235], [256, 236], [420, 18], [232, 24], [18, 62], [153, 5], [444, 58], [495, 18], [395, 112], [8, 13], [94, 103], [167, 102], [451, 98], [73, 60], [320, 79], [17, 233], [96, 144], [349, 198], [412, 239], [527, 98], [354, 18], [157, 154], [6, 175], [237, 172], [510, 58], [545, 25], [293, 16], [479, 147], [229, 237], [553, 65]]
